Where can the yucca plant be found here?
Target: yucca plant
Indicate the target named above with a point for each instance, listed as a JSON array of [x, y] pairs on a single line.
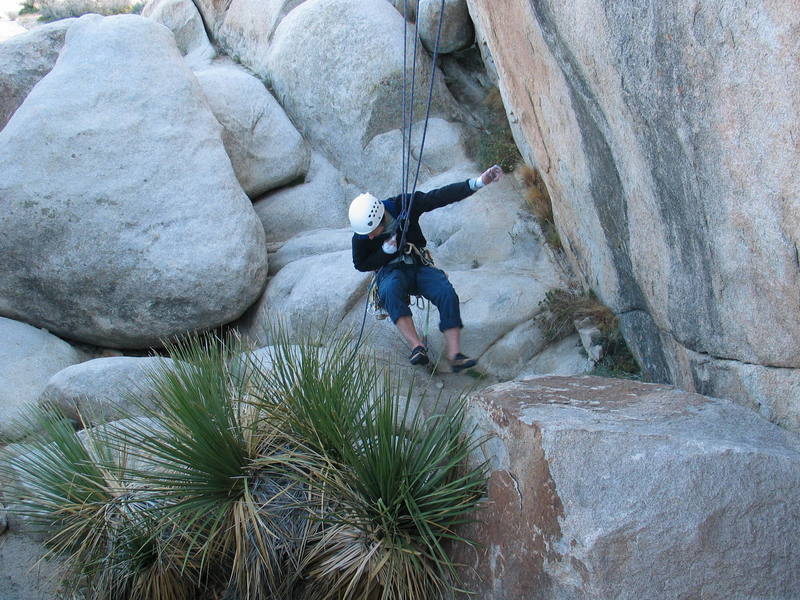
[[222, 467], [320, 388], [400, 492], [77, 490]]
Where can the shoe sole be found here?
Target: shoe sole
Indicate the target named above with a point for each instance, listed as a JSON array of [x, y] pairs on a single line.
[[420, 359], [463, 367]]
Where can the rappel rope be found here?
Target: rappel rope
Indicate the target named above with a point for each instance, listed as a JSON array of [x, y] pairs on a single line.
[[407, 200]]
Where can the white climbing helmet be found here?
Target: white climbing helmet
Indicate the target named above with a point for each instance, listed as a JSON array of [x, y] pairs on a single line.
[[365, 213]]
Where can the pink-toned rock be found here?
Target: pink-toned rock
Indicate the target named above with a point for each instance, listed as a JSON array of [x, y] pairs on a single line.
[[666, 136], [605, 488]]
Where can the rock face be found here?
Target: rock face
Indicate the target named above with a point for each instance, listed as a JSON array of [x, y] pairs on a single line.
[[342, 99], [666, 144], [59, 9], [406, 7], [307, 294], [244, 28], [28, 358], [318, 202], [606, 488], [456, 31], [264, 147], [24, 60], [310, 243], [142, 231], [182, 18], [104, 389]]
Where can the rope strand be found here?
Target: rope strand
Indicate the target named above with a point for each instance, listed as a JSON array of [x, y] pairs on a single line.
[[407, 201]]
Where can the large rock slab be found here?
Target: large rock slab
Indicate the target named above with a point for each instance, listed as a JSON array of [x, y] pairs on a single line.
[[104, 389], [318, 70], [604, 488], [244, 28], [307, 295], [123, 223], [29, 357], [491, 227], [317, 203], [310, 243], [264, 147], [24, 60], [667, 148], [247, 27], [183, 19]]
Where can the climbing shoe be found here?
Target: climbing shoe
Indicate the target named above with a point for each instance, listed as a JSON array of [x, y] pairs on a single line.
[[419, 356], [460, 362]]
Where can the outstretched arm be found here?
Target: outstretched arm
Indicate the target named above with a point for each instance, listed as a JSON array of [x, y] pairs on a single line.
[[427, 201]]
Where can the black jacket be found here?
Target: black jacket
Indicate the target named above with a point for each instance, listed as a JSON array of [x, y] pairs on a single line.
[[368, 254]]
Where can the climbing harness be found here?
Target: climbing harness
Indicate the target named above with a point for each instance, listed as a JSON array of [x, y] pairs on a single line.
[[423, 255]]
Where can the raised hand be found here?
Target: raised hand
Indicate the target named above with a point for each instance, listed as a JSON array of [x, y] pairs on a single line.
[[491, 175]]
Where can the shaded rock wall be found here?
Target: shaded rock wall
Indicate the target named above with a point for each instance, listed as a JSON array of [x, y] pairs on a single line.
[[667, 137]]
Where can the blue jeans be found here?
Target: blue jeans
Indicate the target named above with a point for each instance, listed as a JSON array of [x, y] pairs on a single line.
[[397, 282]]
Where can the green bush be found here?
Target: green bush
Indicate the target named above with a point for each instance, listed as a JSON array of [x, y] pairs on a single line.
[[313, 479], [28, 8], [493, 143]]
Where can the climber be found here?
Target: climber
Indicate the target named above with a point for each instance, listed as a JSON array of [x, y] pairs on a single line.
[[377, 228]]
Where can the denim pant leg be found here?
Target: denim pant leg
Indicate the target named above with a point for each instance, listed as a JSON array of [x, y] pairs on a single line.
[[393, 291], [433, 284]]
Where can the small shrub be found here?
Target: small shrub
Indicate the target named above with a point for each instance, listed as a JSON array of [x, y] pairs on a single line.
[[617, 360], [494, 144], [559, 311], [497, 147], [313, 479], [28, 8]]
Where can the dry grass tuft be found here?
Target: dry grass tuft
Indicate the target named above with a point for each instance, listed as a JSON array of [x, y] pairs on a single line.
[[561, 308], [494, 101], [538, 199]]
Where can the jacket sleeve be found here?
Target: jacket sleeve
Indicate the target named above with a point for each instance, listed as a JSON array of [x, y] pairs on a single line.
[[427, 201], [368, 255]]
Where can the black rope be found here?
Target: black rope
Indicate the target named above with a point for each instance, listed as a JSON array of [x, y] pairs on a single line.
[[408, 123], [408, 200]]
